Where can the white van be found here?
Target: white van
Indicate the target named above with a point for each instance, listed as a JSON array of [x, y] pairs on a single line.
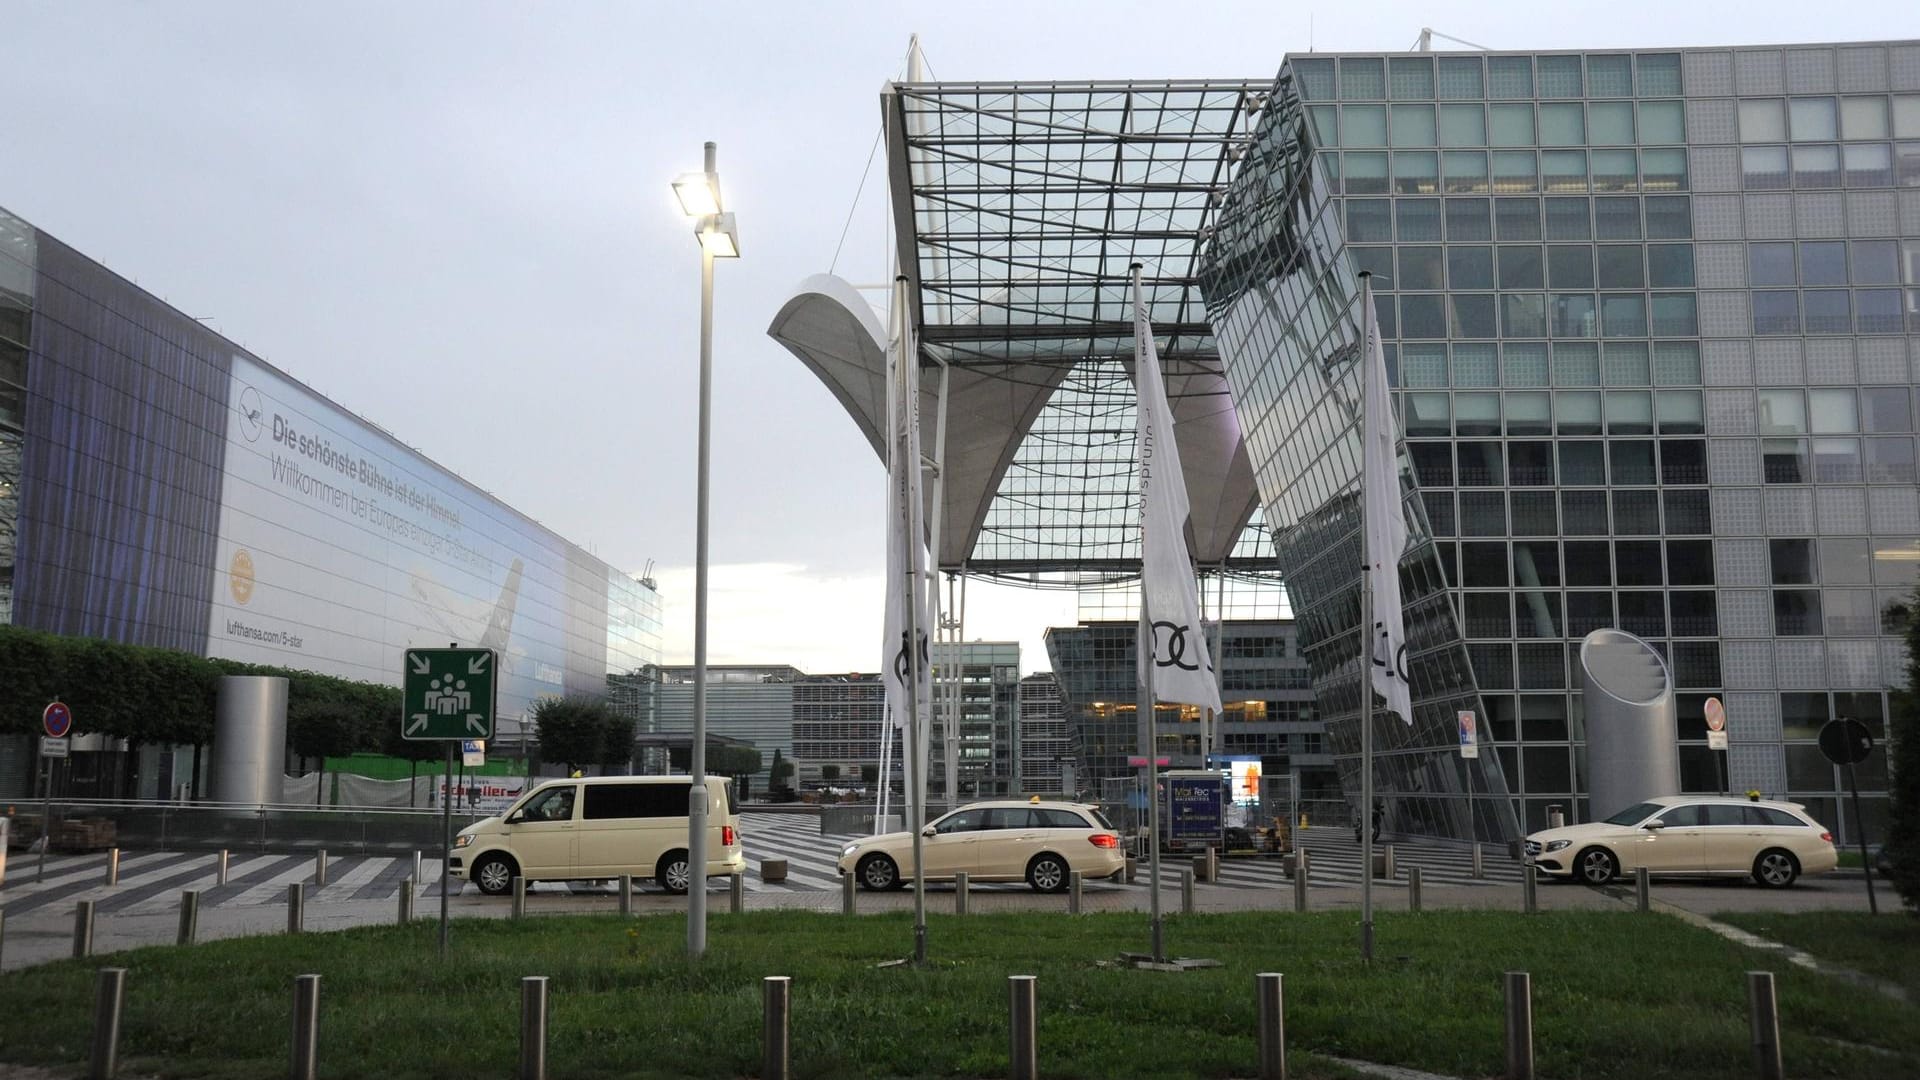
[[598, 828]]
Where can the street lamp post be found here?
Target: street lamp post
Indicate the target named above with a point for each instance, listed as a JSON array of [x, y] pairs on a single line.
[[699, 195]]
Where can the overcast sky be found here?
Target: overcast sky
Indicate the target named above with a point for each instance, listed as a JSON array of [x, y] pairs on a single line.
[[470, 201]]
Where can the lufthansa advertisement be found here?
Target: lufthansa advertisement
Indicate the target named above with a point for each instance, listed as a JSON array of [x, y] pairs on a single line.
[[338, 550]]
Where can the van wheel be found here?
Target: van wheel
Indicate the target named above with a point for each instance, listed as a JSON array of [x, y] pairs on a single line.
[[494, 874], [673, 873], [1047, 873]]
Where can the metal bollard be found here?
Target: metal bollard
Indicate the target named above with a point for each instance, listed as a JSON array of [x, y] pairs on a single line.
[[1186, 892], [519, 897], [736, 893], [626, 895], [1763, 1013], [113, 866], [1529, 900], [109, 995], [1073, 893], [1519, 1026], [3, 933], [416, 866], [405, 913], [1213, 866], [306, 1027], [1413, 888], [1024, 1063], [533, 1027], [960, 892], [83, 928], [846, 895], [1642, 889], [1271, 1019], [776, 1005], [1302, 868], [189, 917], [220, 867], [1479, 867], [296, 908], [320, 868]]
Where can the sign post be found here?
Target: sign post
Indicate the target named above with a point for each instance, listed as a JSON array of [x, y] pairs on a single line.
[[447, 695], [57, 719], [1848, 742], [1716, 716]]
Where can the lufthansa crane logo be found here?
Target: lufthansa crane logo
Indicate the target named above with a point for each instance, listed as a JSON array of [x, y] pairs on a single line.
[[1174, 655], [900, 659], [250, 413]]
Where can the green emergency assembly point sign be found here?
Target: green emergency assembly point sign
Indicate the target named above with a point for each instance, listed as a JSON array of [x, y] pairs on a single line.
[[448, 694]]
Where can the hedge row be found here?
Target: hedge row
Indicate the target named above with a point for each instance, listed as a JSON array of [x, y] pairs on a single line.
[[148, 695]]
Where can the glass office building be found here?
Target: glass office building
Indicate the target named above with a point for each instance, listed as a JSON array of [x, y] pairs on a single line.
[[1654, 322], [161, 486]]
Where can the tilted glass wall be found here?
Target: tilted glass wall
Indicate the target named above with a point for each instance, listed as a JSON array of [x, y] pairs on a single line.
[[1653, 319], [1283, 298]]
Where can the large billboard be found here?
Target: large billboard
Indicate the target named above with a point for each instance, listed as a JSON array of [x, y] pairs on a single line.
[[338, 549]]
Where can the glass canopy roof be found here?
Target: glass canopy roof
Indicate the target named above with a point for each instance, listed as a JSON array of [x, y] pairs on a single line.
[[1021, 207]]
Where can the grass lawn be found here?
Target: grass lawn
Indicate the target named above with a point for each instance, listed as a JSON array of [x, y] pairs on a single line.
[[1886, 946], [1616, 995]]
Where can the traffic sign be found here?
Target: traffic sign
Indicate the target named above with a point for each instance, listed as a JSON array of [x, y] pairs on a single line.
[[1845, 742], [473, 753], [448, 694], [58, 719], [51, 747], [1716, 740], [1716, 715]]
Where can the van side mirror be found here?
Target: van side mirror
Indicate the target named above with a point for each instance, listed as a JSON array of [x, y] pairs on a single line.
[[928, 831], [515, 818], [1654, 826]]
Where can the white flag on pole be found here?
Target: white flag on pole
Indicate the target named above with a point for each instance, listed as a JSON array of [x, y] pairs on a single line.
[[1175, 644], [906, 575], [1386, 523]]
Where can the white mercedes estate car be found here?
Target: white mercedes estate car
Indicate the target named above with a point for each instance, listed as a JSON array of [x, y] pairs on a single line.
[[1040, 843], [1772, 842]]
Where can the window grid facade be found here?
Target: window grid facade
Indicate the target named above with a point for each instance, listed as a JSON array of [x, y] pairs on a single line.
[[1640, 306]]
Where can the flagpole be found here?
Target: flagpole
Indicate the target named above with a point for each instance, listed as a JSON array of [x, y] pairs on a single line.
[[1145, 642], [916, 765], [1366, 638]]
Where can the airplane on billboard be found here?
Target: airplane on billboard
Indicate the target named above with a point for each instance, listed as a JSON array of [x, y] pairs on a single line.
[[466, 622]]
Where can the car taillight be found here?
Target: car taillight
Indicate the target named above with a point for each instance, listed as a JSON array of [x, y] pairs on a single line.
[[1827, 836], [726, 836], [1104, 839]]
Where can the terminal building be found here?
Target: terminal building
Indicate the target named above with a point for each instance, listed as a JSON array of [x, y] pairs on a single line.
[[161, 486], [1653, 321]]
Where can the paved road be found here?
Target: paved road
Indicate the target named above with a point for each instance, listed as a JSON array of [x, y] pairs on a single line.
[[143, 907]]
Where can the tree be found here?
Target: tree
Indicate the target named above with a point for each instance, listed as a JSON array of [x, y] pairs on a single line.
[[326, 730], [736, 761], [573, 730], [777, 776], [1903, 765], [829, 773]]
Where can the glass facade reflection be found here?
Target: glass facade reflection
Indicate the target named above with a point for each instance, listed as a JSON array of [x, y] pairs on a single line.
[[1652, 318]]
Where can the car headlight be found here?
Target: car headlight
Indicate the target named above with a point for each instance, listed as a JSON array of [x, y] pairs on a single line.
[[1556, 845], [463, 840], [848, 850]]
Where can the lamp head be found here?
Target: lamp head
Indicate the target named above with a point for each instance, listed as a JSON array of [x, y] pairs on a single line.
[[719, 236], [699, 194]]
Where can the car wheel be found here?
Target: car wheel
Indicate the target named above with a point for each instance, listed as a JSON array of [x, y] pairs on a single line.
[[877, 873], [1597, 866], [1776, 869], [674, 872], [1047, 873], [494, 874]]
